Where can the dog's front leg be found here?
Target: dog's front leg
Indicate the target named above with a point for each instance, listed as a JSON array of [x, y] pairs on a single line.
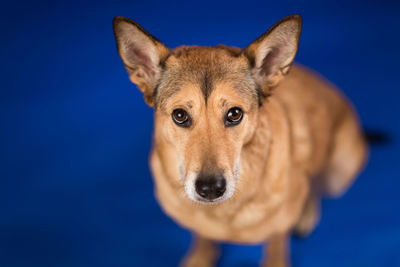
[[277, 252], [203, 253]]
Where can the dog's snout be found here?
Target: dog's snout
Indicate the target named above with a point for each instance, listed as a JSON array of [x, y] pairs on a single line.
[[210, 187]]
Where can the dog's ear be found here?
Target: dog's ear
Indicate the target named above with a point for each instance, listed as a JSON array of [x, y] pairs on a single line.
[[272, 54], [142, 54]]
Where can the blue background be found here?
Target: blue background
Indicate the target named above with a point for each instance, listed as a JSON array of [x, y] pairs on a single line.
[[75, 188]]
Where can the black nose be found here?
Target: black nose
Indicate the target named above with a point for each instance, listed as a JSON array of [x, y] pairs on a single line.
[[210, 187]]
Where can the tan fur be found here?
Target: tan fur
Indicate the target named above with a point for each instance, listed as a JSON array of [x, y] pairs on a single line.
[[293, 143], [302, 142]]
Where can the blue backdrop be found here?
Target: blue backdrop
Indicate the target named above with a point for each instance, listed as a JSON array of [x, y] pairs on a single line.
[[75, 188]]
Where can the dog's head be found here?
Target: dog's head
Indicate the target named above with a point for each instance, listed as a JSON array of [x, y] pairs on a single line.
[[206, 99]]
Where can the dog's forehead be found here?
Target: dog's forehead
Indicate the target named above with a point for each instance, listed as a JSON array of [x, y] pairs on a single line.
[[205, 67]]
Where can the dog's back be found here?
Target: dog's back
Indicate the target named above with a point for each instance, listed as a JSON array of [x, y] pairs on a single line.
[[326, 134]]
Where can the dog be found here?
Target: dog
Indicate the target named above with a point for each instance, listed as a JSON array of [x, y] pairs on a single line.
[[245, 141]]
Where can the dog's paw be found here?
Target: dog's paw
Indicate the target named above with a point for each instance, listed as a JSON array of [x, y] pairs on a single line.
[[203, 255], [196, 261]]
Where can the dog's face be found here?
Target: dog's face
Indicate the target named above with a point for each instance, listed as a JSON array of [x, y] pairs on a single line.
[[207, 99], [207, 109]]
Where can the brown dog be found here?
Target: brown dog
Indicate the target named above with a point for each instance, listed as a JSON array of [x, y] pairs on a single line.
[[243, 150]]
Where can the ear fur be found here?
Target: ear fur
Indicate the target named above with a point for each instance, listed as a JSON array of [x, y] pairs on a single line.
[[142, 54], [272, 54]]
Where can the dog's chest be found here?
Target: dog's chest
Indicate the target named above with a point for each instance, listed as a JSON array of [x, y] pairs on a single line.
[[250, 222]]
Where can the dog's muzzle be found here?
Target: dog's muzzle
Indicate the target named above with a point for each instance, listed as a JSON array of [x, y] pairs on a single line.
[[210, 187]]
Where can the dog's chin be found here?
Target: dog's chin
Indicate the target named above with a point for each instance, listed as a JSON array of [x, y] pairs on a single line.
[[196, 198], [208, 202]]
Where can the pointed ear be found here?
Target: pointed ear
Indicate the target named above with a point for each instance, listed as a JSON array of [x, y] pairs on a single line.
[[272, 54], [142, 54]]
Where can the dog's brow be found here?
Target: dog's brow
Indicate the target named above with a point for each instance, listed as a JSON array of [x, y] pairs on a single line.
[[205, 67], [164, 99], [162, 95]]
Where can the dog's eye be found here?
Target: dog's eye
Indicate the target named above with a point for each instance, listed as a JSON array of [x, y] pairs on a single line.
[[181, 118], [234, 116]]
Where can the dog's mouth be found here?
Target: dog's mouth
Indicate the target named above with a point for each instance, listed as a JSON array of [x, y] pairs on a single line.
[[210, 201]]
